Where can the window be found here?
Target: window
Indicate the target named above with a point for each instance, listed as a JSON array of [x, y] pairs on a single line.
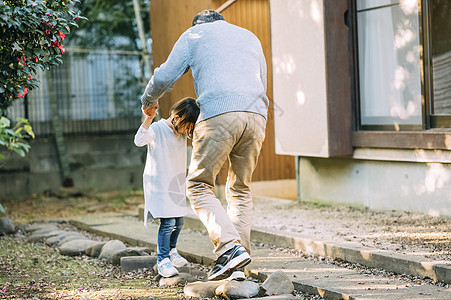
[[438, 21], [403, 64]]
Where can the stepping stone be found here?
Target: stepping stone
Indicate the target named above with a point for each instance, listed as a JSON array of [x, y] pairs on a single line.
[[39, 236], [53, 240], [115, 259], [238, 289], [6, 226], [201, 276], [177, 280], [70, 236], [94, 251], [76, 247], [111, 248], [134, 263], [202, 289], [277, 284]]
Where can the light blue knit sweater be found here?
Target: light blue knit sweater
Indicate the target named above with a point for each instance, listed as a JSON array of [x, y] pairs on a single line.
[[228, 66]]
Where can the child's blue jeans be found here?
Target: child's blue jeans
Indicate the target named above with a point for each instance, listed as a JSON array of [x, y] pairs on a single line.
[[168, 234]]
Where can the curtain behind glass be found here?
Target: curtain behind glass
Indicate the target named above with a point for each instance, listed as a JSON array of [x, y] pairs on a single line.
[[389, 62]]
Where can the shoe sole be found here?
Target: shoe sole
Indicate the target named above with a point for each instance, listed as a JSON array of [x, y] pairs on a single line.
[[180, 266], [169, 275], [237, 262], [237, 276]]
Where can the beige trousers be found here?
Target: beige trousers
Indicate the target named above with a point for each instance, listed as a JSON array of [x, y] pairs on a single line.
[[237, 136]]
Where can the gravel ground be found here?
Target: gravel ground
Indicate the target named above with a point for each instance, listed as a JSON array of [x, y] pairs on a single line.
[[398, 231]]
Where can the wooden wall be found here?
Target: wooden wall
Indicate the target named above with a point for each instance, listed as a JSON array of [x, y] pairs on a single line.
[[170, 18]]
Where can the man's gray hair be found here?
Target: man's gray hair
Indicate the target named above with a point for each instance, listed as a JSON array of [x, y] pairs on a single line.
[[207, 16]]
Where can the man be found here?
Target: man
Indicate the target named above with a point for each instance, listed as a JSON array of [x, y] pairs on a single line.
[[229, 71]]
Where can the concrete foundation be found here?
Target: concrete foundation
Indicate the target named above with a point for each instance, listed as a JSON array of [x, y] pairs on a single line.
[[396, 185]]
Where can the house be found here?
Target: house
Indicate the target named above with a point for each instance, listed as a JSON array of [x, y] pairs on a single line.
[[368, 87], [360, 94]]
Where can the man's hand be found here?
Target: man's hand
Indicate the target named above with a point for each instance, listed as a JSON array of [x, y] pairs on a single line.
[[150, 111]]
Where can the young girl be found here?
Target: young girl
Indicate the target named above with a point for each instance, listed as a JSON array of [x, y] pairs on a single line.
[[164, 176]]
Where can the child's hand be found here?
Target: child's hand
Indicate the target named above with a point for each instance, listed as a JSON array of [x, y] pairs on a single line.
[[150, 111]]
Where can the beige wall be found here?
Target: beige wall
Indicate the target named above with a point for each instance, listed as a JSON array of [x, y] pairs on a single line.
[[311, 76], [299, 76], [169, 18]]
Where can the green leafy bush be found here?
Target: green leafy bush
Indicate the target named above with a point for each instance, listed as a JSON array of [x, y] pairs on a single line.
[[31, 37], [14, 139]]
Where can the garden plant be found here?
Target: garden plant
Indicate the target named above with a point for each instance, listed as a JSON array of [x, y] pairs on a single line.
[[31, 37]]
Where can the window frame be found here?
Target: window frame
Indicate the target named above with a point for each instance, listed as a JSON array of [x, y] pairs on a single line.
[[434, 133]]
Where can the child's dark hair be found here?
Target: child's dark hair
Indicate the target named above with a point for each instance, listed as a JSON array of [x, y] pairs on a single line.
[[206, 16], [187, 112]]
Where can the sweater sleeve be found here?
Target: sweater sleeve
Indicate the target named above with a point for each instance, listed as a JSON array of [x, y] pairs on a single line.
[[144, 137], [167, 74]]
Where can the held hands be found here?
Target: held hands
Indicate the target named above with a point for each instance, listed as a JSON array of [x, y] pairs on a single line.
[[150, 111]]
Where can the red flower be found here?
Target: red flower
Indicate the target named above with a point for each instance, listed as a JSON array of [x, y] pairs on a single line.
[[24, 59], [61, 35], [34, 4], [60, 46], [36, 59], [23, 93]]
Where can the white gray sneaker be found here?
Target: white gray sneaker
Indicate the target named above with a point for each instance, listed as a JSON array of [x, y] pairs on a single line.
[[176, 259], [232, 259], [166, 268]]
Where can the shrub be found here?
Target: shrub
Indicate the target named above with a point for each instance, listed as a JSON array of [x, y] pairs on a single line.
[[31, 36], [14, 138]]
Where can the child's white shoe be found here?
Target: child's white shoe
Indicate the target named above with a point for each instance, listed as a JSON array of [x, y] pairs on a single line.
[[177, 260], [166, 268]]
